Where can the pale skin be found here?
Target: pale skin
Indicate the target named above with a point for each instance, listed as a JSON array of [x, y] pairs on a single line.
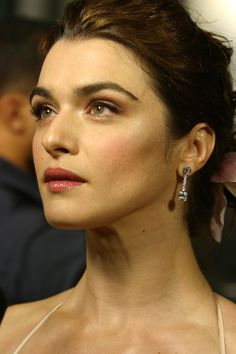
[[142, 291]]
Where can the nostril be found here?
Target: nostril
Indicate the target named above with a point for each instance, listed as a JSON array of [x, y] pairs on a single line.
[[59, 151], [62, 150], [59, 139]]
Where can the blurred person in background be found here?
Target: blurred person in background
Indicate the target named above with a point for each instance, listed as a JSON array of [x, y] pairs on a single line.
[[36, 260]]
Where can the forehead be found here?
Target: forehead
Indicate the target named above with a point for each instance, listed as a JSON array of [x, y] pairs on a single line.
[[83, 61]]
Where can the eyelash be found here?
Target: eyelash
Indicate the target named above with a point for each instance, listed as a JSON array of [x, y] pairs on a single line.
[[37, 109], [114, 109]]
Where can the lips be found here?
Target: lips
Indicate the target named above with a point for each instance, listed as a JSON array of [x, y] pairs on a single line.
[[59, 179]]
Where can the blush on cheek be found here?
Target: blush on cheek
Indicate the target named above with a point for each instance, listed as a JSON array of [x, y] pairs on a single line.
[[118, 152]]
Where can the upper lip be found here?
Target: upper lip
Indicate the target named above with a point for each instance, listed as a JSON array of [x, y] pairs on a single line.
[[58, 173]]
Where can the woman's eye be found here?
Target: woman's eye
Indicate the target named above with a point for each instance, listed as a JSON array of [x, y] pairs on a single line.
[[42, 111], [98, 109], [46, 112], [103, 109]]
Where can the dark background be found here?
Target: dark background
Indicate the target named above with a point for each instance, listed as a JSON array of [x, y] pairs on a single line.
[[40, 9]]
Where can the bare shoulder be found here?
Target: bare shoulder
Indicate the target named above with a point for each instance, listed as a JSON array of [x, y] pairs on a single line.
[[228, 309], [19, 320]]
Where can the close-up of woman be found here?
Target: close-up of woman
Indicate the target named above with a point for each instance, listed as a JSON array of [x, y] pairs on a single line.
[[134, 118]]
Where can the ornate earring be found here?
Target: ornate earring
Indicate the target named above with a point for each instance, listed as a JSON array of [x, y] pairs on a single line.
[[183, 195]]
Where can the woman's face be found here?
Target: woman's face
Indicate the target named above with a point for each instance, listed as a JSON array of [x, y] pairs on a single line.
[[98, 119]]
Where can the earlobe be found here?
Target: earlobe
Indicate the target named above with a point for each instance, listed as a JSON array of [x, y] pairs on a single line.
[[196, 148]]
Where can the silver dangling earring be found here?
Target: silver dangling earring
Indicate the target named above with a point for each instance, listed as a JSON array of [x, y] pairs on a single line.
[[183, 195]]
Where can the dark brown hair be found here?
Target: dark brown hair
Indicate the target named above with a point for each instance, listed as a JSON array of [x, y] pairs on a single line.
[[188, 69]]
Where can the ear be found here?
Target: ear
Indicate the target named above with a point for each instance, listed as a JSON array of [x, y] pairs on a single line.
[[196, 148], [10, 112]]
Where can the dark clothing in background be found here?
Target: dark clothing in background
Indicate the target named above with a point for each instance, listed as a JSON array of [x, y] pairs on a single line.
[[36, 261]]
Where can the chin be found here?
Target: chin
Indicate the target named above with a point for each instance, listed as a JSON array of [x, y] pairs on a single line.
[[84, 222], [62, 223], [69, 223], [72, 218]]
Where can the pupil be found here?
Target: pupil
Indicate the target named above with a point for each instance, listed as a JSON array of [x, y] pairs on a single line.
[[99, 108], [46, 112]]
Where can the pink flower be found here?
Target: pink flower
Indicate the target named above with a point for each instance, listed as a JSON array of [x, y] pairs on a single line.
[[225, 177]]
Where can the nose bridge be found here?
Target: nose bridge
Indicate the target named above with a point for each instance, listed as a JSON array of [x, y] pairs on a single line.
[[59, 136]]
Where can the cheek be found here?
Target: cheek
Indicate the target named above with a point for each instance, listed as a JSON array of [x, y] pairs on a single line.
[[114, 152], [37, 152], [126, 154], [117, 152]]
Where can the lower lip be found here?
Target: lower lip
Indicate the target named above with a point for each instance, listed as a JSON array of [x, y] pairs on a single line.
[[60, 186]]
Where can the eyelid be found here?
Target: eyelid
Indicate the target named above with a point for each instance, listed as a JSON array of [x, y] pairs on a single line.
[[38, 100], [107, 103], [40, 103], [38, 107]]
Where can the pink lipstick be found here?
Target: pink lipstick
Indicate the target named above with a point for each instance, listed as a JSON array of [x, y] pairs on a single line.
[[59, 179]]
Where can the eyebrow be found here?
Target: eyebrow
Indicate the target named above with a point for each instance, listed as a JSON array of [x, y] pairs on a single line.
[[40, 91], [108, 85], [86, 90]]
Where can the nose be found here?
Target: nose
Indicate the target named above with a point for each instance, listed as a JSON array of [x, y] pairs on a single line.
[[59, 137]]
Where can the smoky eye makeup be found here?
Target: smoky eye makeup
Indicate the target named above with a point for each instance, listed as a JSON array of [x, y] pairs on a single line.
[[102, 108], [99, 106], [42, 110]]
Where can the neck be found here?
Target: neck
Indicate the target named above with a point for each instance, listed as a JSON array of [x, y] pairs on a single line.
[[133, 269]]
